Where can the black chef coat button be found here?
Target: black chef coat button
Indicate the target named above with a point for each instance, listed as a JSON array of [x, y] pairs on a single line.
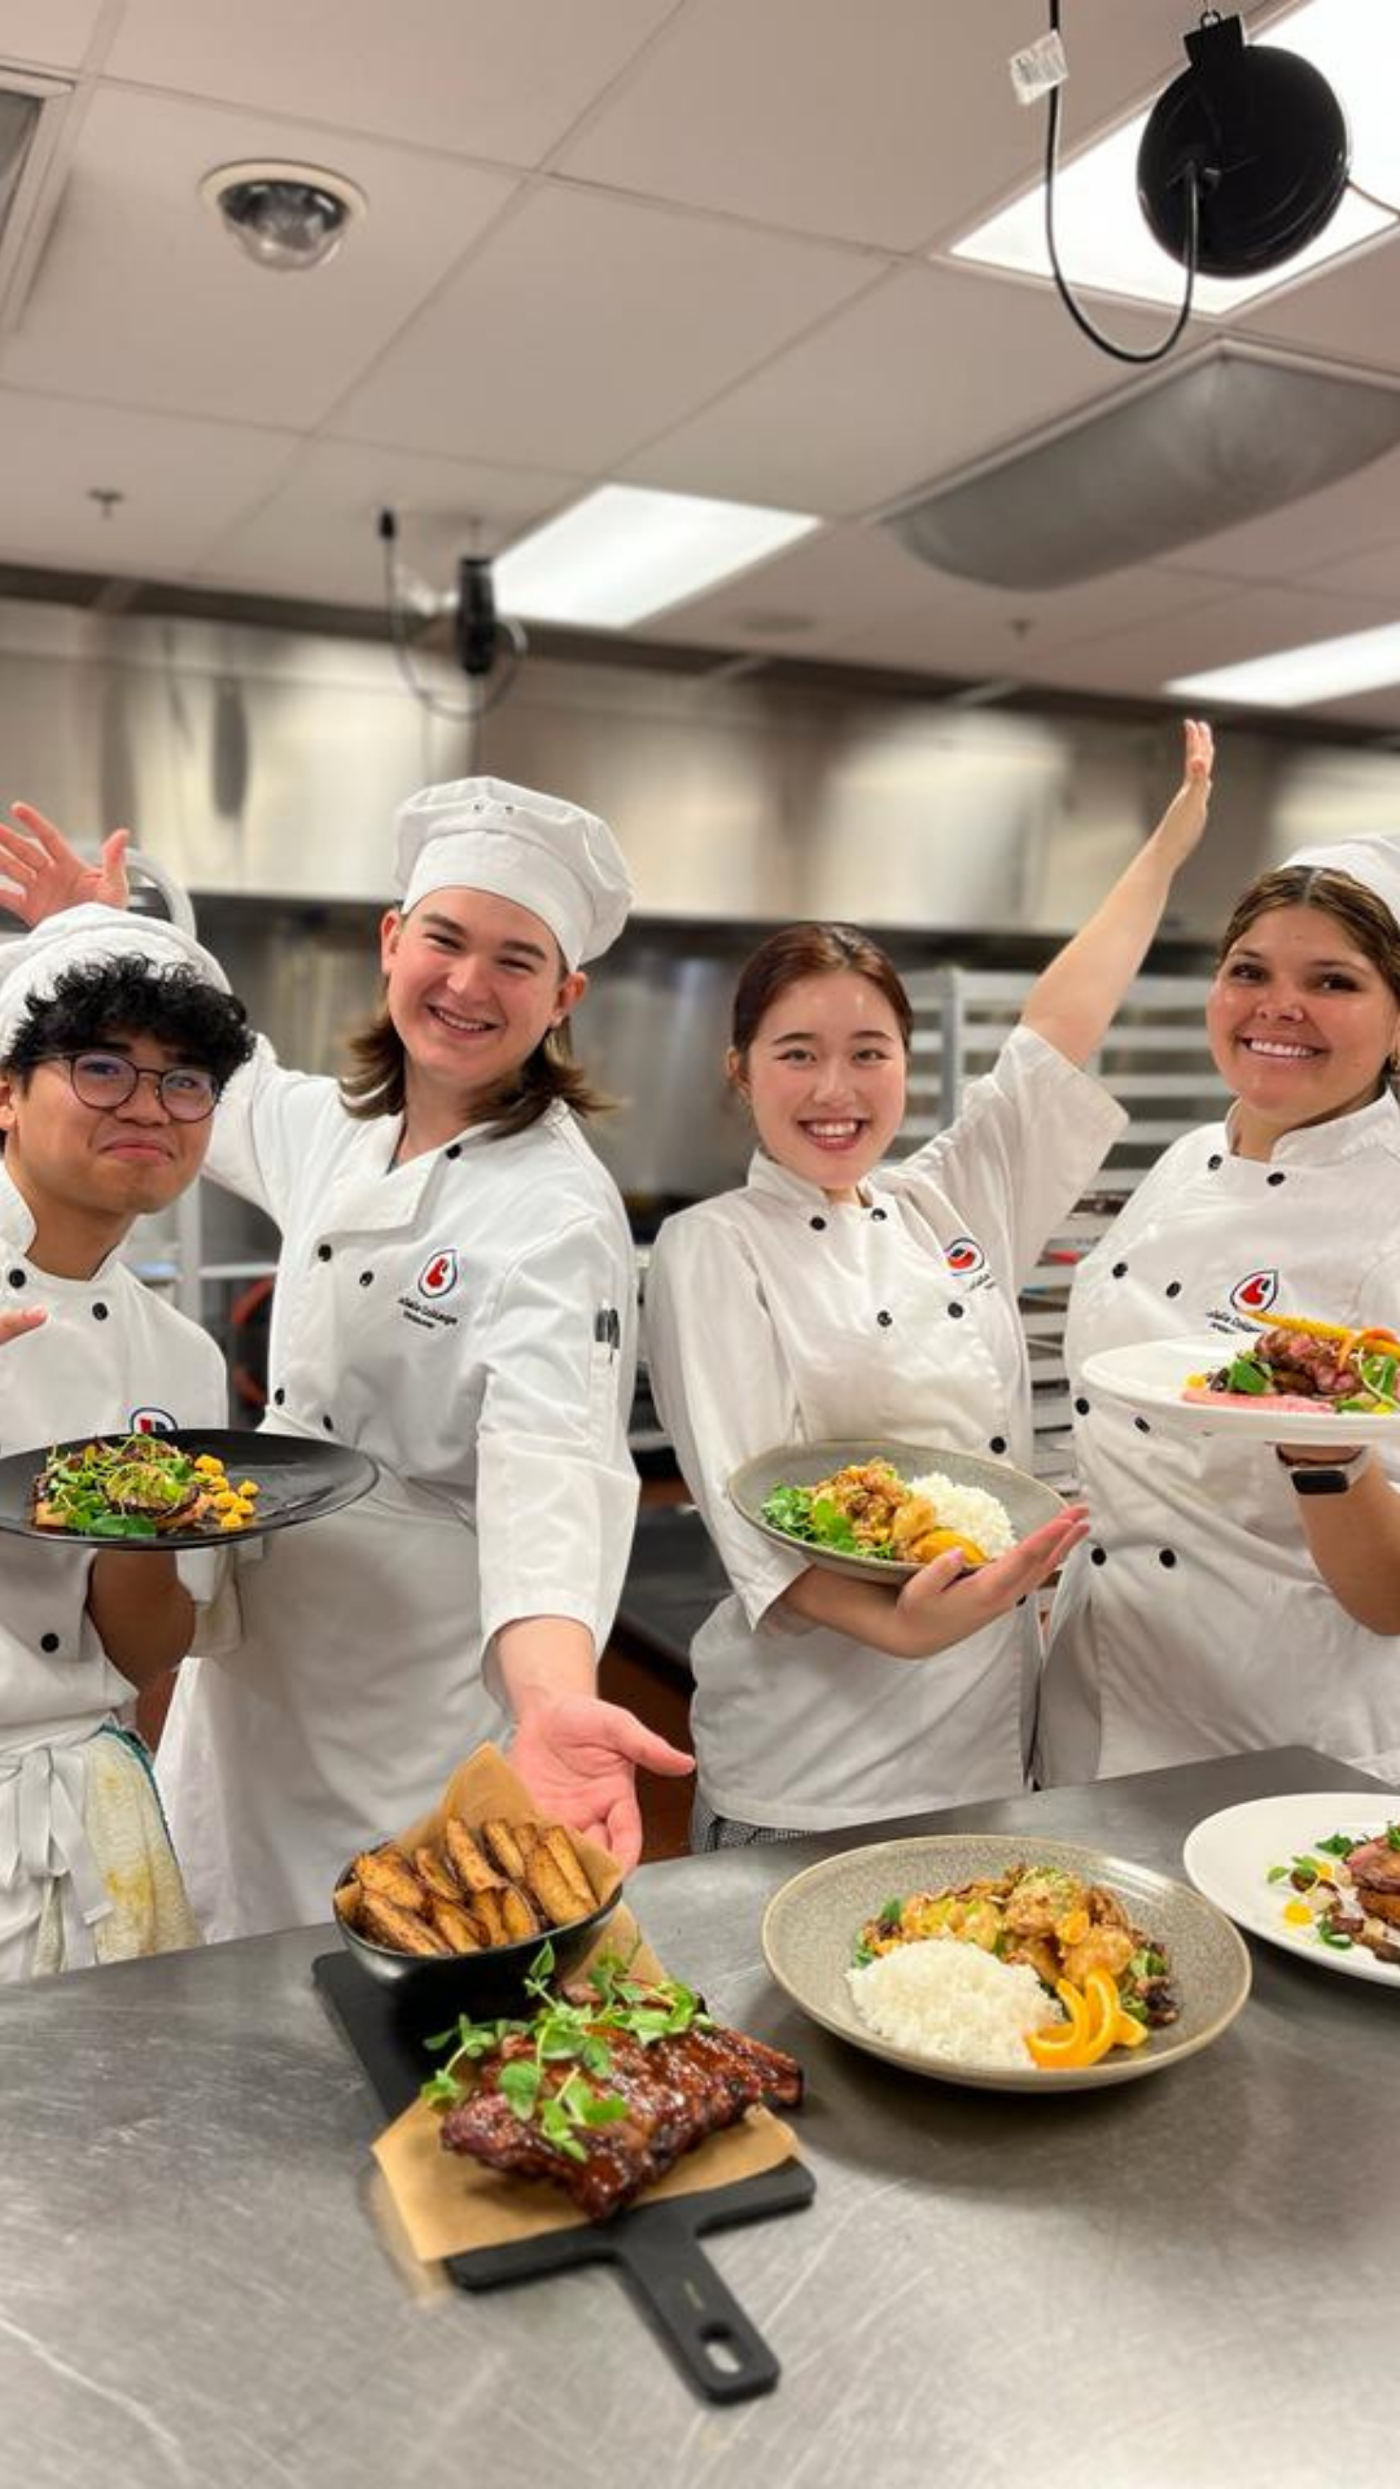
[[453, 1150], [1173, 1287], [1081, 1408], [879, 1214], [956, 1312], [997, 1444], [884, 1320], [1215, 1162], [323, 1253], [1166, 1557], [99, 1313], [1278, 1177], [278, 1397], [1098, 1555], [1120, 1270], [1142, 1425], [819, 1224], [367, 1279], [329, 1424], [48, 1642], [18, 1279]]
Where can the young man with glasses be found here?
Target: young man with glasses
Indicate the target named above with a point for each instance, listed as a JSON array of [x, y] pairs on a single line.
[[117, 1034]]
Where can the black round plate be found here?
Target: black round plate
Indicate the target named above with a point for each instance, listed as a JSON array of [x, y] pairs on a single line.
[[298, 1481]]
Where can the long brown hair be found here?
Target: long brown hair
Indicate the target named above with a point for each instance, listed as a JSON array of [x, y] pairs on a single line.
[[812, 950], [377, 1083]]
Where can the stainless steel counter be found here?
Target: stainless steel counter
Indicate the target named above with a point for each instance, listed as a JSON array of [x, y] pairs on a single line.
[[1176, 2283]]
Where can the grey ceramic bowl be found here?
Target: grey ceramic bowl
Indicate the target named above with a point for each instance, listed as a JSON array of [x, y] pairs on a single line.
[[481, 1984], [1028, 1503], [811, 1925]]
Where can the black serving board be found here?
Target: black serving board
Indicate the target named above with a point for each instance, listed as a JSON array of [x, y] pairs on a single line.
[[298, 1480], [654, 2246]]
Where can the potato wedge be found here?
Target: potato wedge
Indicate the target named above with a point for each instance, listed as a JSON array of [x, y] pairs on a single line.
[[559, 1843], [387, 1924], [435, 1875], [489, 1916], [387, 1872], [454, 1925], [551, 1888], [498, 1837], [519, 1914], [347, 1901], [473, 1870]]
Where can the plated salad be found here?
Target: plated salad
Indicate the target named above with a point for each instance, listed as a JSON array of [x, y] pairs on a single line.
[[1310, 1366], [1346, 1891], [867, 1509], [138, 1487]]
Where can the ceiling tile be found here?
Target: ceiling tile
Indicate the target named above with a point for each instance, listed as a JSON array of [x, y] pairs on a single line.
[[499, 78], [1334, 312], [317, 532], [1214, 630], [921, 376], [884, 126], [1303, 536], [48, 34], [182, 483], [587, 324], [142, 299]]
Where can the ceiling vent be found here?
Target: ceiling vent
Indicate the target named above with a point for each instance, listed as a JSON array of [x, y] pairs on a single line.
[[32, 114], [1227, 437]]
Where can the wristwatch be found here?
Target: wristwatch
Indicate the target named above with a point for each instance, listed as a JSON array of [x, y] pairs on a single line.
[[1324, 1477]]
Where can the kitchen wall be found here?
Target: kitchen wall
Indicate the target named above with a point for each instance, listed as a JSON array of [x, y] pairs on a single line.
[[262, 768]]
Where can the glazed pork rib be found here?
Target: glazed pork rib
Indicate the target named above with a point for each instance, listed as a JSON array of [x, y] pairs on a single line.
[[677, 2091]]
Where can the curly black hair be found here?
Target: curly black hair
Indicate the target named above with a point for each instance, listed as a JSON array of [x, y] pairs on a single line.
[[128, 997]]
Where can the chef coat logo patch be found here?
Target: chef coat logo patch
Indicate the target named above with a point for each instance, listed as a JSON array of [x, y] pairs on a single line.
[[439, 1276], [1255, 1294], [150, 1422], [964, 1257]]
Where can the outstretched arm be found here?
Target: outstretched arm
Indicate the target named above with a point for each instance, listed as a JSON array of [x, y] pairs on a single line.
[[1072, 1004], [578, 1756], [41, 873]]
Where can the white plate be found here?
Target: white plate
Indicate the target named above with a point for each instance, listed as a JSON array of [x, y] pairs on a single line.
[[1228, 1858], [1151, 1375]]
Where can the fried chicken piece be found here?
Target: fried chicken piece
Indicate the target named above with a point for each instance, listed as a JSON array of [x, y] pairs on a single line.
[[1104, 1948]]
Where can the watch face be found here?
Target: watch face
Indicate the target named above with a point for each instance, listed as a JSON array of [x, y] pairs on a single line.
[[1320, 1481]]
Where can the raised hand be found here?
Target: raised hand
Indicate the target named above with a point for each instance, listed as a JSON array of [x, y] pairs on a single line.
[[1179, 830], [579, 1758], [43, 873]]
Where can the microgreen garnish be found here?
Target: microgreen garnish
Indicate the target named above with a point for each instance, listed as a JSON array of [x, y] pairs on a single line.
[[566, 2033]]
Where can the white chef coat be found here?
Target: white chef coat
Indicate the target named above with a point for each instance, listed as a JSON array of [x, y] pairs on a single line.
[[467, 1318], [776, 1316], [112, 1357], [1195, 1622]]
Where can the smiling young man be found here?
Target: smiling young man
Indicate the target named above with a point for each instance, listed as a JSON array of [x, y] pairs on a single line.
[[116, 1037]]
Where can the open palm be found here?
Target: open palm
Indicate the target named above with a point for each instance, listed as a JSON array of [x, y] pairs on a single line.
[[43, 873], [578, 1758]]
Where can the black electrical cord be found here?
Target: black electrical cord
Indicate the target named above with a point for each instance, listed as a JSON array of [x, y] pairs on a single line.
[[1109, 345], [470, 712]]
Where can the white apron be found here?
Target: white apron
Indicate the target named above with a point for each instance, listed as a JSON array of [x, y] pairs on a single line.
[[85, 1867], [774, 1316], [1195, 1622], [468, 1319]]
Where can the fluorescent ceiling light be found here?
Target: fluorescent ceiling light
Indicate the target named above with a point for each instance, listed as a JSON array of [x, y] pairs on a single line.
[[624, 554], [1323, 670], [1100, 232]]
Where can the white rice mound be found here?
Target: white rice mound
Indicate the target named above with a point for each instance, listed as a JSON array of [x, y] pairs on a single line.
[[938, 1997], [969, 1510]]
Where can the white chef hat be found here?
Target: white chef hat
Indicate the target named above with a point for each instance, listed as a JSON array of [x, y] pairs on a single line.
[[1374, 861], [86, 937], [562, 864]]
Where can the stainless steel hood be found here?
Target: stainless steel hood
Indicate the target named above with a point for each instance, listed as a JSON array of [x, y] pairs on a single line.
[[256, 763]]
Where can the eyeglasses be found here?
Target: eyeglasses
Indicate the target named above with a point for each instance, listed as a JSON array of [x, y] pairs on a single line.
[[188, 1096]]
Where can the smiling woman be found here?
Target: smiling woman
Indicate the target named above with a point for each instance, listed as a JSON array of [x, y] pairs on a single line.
[[1231, 1598], [835, 1298]]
